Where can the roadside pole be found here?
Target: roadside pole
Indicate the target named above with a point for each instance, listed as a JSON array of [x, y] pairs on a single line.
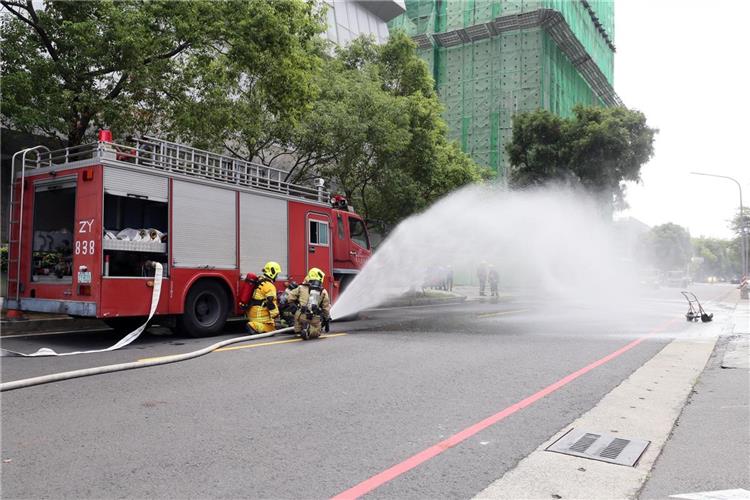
[[743, 228]]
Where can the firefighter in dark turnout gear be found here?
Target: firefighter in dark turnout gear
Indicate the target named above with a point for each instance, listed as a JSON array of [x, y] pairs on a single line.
[[482, 275], [263, 305], [313, 305], [494, 280]]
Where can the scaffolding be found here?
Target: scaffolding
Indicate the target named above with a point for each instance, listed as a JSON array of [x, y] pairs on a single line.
[[493, 58]]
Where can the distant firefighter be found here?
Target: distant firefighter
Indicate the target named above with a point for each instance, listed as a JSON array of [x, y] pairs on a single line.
[[482, 275], [494, 280]]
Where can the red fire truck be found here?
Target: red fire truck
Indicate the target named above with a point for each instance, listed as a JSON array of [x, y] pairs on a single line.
[[87, 221]]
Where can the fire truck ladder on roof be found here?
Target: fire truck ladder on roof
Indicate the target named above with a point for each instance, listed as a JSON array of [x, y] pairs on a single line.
[[15, 209], [177, 158]]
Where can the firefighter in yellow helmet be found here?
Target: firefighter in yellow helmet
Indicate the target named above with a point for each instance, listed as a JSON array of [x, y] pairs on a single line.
[[313, 305], [263, 305]]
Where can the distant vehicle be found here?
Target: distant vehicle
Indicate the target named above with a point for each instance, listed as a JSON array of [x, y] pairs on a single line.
[[676, 279], [735, 280], [650, 278]]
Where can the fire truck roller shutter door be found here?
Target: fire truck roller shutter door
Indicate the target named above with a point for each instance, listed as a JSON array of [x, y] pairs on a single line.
[[204, 226], [122, 182], [263, 232]]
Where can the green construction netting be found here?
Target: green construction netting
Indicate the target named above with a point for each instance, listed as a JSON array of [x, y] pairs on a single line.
[[483, 83], [437, 16]]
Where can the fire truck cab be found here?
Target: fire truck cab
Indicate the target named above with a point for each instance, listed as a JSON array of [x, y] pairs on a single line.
[[87, 222]]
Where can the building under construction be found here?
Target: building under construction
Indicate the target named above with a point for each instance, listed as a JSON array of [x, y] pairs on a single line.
[[493, 58]]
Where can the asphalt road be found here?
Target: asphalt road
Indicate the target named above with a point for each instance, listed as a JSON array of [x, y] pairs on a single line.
[[281, 418]]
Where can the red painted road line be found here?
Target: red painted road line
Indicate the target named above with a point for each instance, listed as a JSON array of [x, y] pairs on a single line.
[[380, 479]]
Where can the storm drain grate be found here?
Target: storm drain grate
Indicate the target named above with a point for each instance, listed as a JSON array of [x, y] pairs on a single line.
[[613, 449], [600, 446], [583, 443]]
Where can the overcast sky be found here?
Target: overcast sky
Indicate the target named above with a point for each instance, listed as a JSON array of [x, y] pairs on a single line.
[[685, 64]]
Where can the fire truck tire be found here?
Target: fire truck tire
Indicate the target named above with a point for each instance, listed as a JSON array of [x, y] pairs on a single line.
[[206, 310], [125, 325]]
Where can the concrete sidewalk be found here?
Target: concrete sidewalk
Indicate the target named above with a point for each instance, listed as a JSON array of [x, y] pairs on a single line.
[[709, 448], [471, 292], [423, 298]]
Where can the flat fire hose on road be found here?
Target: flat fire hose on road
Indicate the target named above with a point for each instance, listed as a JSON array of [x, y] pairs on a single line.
[[46, 351], [86, 372]]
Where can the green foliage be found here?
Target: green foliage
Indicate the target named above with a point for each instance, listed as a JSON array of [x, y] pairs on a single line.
[[738, 224], [598, 148], [4, 258], [376, 131], [716, 259], [668, 247], [136, 66]]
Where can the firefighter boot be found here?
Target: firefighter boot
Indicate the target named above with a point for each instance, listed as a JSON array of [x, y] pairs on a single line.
[[314, 327], [300, 325]]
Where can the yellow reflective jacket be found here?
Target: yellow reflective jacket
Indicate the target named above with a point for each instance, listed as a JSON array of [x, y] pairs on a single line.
[[260, 313]]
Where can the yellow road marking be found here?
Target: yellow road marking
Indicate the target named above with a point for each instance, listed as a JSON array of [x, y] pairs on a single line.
[[488, 315], [248, 346], [261, 344], [233, 348]]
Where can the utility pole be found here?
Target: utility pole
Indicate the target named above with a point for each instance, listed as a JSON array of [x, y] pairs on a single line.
[[743, 228]]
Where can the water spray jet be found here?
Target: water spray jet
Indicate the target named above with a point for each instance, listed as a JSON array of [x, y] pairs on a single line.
[[553, 241]]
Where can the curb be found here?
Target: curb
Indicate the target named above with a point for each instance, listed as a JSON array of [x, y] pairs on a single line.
[[11, 328], [421, 302]]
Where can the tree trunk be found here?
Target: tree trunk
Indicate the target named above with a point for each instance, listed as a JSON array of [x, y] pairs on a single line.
[[78, 127]]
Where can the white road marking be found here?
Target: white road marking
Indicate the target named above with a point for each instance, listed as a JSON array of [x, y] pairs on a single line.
[[736, 494]]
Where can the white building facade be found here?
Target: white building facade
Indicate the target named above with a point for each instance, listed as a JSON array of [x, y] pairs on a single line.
[[348, 19]]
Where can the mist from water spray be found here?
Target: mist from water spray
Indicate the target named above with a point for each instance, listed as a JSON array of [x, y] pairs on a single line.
[[552, 241]]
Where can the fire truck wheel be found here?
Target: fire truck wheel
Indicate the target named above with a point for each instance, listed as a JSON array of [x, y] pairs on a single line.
[[206, 310]]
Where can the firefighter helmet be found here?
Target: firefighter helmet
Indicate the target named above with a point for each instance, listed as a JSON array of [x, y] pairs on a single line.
[[315, 274], [271, 270]]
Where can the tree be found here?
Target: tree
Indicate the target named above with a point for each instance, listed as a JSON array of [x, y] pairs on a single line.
[[376, 131], [668, 247], [141, 66], [716, 258], [740, 226], [598, 148]]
